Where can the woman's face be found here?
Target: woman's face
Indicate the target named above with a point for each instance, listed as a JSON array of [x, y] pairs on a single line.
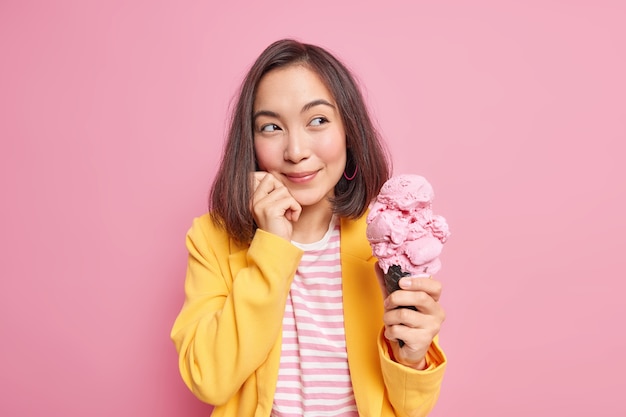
[[298, 134]]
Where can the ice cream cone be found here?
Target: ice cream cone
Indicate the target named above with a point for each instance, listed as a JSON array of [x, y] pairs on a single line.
[[405, 235], [392, 278]]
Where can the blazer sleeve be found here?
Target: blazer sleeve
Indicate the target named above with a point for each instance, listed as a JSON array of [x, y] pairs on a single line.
[[412, 393], [233, 310]]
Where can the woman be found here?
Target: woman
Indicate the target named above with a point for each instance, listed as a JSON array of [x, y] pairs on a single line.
[[284, 311]]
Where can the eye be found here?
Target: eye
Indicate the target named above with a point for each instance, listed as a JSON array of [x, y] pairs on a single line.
[[318, 121], [270, 127]]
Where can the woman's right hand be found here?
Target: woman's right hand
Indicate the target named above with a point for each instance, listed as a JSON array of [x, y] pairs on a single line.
[[273, 207]]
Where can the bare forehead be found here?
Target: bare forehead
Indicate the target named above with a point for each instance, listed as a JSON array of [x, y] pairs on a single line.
[[294, 83]]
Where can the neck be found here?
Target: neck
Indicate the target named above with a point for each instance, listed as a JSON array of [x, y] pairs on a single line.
[[312, 224]]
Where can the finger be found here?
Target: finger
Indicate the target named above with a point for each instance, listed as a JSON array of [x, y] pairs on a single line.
[[265, 191], [277, 203], [412, 337], [265, 183], [256, 178], [420, 300], [413, 319], [283, 199], [428, 285], [401, 316], [259, 175], [293, 214]]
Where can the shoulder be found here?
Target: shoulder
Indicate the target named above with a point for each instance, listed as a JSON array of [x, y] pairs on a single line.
[[206, 232], [206, 223], [205, 226]]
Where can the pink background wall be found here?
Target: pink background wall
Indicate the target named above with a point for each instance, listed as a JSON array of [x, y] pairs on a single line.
[[112, 115]]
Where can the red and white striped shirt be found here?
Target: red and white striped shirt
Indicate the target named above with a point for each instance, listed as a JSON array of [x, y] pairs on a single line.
[[313, 378]]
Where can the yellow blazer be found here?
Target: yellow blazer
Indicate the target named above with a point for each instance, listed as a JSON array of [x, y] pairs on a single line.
[[228, 333]]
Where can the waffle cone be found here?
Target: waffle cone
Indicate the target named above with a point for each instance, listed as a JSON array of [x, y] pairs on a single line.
[[392, 277]]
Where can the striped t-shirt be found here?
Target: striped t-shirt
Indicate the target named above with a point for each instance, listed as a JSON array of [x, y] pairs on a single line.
[[313, 378]]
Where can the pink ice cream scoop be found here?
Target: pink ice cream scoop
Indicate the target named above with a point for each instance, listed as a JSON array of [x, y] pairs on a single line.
[[405, 235]]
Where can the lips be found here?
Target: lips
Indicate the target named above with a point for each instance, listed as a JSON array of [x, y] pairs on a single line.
[[301, 177]]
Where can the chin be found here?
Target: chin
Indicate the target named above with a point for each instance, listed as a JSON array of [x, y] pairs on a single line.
[[306, 200]]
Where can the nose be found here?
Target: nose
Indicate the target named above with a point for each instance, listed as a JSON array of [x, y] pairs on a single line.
[[297, 147]]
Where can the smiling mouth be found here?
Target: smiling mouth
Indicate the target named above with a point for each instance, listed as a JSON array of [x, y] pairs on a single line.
[[301, 176]]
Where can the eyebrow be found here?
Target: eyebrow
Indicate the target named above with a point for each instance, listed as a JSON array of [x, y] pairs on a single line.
[[318, 102], [306, 107]]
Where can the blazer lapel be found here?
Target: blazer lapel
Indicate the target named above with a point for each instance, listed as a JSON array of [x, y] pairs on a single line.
[[363, 311]]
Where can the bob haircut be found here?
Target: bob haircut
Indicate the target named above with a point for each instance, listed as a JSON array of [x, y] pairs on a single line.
[[229, 201]]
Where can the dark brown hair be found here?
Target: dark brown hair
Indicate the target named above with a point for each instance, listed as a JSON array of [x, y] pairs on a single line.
[[232, 188]]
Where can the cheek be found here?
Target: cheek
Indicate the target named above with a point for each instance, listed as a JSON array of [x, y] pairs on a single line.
[[265, 155], [333, 155], [333, 149]]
